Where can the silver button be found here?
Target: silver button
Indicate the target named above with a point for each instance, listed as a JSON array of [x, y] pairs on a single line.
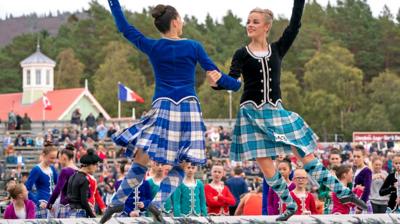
[[262, 81], [270, 79], [269, 69], [259, 60], [270, 90], [267, 59], [260, 70], [262, 101], [262, 90]]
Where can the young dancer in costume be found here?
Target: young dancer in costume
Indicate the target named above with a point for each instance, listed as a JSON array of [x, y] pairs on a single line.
[[20, 207], [305, 200], [173, 131], [189, 198], [391, 186], [66, 159], [78, 188], [218, 196], [44, 177], [264, 128]]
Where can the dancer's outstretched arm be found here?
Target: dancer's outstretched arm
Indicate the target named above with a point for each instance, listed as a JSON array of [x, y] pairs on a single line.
[[130, 32], [291, 31]]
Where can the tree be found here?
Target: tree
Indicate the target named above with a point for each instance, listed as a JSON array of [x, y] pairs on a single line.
[[69, 70], [322, 112], [332, 71], [384, 90], [291, 92], [117, 69]]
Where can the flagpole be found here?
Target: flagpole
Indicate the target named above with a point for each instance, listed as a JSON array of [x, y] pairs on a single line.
[[119, 103], [119, 109]]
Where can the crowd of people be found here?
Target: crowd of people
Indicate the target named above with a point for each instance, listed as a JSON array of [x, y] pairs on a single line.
[[221, 187]]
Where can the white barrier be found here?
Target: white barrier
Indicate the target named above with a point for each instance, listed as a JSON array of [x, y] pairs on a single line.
[[300, 219]]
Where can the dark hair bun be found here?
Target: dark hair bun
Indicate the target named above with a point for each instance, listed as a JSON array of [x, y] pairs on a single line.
[[47, 143], [91, 152], [90, 158], [70, 147], [158, 11]]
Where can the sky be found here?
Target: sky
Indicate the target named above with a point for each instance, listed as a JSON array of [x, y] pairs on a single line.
[[199, 8]]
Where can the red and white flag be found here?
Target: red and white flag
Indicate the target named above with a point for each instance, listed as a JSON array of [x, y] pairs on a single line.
[[46, 103]]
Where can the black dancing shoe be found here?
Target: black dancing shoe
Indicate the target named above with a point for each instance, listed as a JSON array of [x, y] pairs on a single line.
[[352, 198], [110, 211], [286, 215], [157, 214]]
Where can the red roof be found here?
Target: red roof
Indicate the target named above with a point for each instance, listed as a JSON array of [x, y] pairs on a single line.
[[60, 101]]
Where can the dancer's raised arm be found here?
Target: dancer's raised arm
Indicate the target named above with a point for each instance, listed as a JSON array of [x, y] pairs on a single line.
[[291, 31], [130, 32]]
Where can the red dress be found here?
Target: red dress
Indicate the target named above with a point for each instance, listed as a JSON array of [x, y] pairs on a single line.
[[95, 196], [221, 205], [309, 203]]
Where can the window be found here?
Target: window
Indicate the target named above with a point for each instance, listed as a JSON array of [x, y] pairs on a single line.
[[38, 77], [28, 77], [48, 77]]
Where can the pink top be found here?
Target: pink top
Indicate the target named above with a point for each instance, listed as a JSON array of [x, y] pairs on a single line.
[[29, 208]]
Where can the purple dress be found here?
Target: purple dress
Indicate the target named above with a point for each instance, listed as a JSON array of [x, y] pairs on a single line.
[[65, 174], [274, 200]]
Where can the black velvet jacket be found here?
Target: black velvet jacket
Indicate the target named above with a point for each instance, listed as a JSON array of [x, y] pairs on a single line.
[[261, 75]]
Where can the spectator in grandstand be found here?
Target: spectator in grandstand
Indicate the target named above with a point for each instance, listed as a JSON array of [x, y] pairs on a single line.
[[214, 135], [82, 187], [345, 174], [363, 174], [20, 207], [26, 122], [305, 200], [101, 131], [111, 130], [78, 142], [90, 121], [92, 134], [11, 157], [214, 151], [66, 160], [237, 186], [189, 198], [379, 203], [20, 141], [274, 203], [19, 122], [224, 147], [218, 196], [12, 120], [391, 185], [251, 203], [224, 134], [76, 117], [100, 118], [64, 135], [43, 177], [7, 140]]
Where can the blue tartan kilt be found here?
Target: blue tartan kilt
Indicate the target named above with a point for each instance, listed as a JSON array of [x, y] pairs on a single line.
[[63, 211], [169, 133], [41, 213], [270, 131], [77, 213]]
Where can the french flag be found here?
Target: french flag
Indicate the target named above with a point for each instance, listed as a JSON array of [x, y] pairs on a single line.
[[127, 95]]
